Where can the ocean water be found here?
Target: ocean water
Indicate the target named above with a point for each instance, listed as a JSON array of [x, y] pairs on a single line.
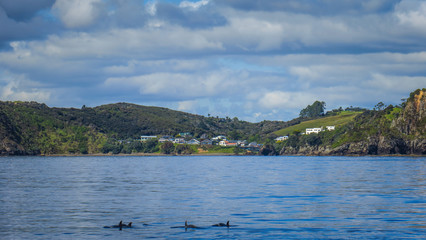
[[262, 197]]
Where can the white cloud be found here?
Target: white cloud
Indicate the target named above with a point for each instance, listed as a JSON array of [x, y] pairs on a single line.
[[230, 65], [176, 85], [388, 83], [193, 5], [151, 8], [285, 100], [19, 88], [187, 106], [412, 13], [77, 13], [304, 72]]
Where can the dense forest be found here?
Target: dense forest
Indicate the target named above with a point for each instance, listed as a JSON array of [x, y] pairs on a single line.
[[34, 128], [30, 128]]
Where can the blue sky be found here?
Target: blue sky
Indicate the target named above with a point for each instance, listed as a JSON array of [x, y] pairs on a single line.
[[251, 59]]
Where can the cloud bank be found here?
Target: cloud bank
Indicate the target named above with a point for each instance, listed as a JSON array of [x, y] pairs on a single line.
[[253, 59]]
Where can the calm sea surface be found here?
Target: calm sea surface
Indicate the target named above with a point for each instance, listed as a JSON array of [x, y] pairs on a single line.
[[263, 197]]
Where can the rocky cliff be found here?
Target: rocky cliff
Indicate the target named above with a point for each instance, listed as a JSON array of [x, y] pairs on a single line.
[[394, 130]]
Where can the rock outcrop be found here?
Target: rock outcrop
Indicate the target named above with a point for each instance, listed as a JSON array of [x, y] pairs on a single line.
[[406, 134]]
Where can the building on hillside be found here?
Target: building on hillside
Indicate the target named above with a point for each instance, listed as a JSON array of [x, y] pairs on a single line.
[[146, 138], [281, 138], [193, 142], [166, 138], [313, 130], [318, 130], [179, 140], [242, 143], [226, 143], [232, 143], [252, 147]]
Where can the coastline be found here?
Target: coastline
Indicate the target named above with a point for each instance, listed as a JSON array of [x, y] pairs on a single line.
[[211, 154]]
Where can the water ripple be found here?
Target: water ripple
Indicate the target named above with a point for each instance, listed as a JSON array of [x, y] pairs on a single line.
[[263, 197]]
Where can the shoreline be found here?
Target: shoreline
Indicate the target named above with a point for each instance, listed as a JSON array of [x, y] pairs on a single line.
[[207, 154]]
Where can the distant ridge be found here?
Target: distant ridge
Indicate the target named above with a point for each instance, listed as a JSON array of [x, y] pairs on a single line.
[[34, 128]]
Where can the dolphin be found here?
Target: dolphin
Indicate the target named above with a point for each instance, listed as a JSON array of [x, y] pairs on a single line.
[[190, 225], [221, 224], [120, 225]]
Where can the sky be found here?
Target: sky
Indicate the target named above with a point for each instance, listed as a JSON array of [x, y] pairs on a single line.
[[252, 59]]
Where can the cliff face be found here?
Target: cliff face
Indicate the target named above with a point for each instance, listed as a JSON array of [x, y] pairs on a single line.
[[413, 119], [389, 131], [374, 146]]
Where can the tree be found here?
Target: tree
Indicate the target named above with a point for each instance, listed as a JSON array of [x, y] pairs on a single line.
[[151, 146], [234, 135], [314, 110], [379, 106], [313, 139], [292, 141], [183, 149], [167, 148]]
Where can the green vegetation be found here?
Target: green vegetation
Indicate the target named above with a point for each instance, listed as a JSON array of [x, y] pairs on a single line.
[[214, 149], [33, 128], [338, 120], [130, 146], [38, 130], [314, 110], [384, 130], [417, 92]]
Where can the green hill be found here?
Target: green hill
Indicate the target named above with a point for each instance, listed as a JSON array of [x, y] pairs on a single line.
[[34, 128], [381, 131], [338, 120]]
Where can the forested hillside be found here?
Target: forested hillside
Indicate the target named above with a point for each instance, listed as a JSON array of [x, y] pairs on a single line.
[[34, 128], [30, 128]]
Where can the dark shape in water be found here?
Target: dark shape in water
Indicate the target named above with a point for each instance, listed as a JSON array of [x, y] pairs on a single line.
[[120, 225], [190, 225], [186, 226], [221, 224]]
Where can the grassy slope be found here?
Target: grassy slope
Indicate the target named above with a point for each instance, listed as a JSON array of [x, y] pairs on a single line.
[[338, 120]]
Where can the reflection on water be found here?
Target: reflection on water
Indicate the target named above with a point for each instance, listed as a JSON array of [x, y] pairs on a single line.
[[264, 197]]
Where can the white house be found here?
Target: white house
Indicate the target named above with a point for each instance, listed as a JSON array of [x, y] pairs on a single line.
[[164, 139], [313, 130], [179, 140], [146, 138], [330, 128], [281, 138], [242, 143], [226, 143]]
